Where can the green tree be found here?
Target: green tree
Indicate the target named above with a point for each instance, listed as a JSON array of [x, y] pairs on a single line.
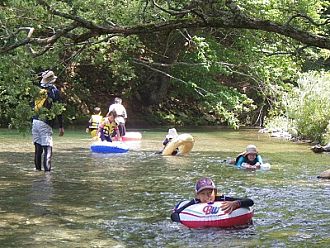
[[309, 106], [232, 59]]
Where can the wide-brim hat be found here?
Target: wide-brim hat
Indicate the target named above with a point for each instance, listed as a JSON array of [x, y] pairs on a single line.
[[172, 133], [251, 149], [48, 77], [204, 183]]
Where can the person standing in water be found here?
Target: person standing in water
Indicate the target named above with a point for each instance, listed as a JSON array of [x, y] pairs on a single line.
[[42, 122], [121, 114]]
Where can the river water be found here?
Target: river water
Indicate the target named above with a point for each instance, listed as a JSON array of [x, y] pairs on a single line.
[[125, 200]]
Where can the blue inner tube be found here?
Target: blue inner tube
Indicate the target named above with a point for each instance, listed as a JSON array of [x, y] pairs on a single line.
[[109, 147]]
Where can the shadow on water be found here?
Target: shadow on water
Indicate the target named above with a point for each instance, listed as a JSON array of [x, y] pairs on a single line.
[[125, 200]]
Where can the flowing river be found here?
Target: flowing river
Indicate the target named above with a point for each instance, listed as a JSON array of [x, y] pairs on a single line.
[[125, 200]]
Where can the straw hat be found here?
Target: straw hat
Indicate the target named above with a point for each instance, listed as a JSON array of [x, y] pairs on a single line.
[[251, 149]]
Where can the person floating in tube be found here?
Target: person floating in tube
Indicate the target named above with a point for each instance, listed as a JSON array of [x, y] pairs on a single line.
[[172, 134], [206, 192], [249, 159]]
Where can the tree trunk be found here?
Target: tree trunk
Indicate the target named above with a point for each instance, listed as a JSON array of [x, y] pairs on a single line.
[[166, 48]]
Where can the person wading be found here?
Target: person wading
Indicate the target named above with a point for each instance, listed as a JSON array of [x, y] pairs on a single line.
[[42, 122]]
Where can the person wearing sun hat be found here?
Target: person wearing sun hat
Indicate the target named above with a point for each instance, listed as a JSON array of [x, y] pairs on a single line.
[[48, 77], [249, 159], [206, 192], [43, 122], [172, 134]]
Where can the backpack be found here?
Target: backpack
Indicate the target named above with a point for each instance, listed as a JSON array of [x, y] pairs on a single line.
[[46, 98]]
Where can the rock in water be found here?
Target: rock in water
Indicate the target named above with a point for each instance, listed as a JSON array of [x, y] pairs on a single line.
[[317, 149], [325, 174]]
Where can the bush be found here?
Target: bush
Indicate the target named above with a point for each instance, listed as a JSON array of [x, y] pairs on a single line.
[[308, 106]]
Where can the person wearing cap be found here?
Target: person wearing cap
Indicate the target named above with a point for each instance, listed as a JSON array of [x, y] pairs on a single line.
[[249, 159], [121, 114], [43, 122], [206, 192], [172, 134]]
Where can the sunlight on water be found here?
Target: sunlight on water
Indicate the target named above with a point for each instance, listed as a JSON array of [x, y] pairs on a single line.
[[125, 200]]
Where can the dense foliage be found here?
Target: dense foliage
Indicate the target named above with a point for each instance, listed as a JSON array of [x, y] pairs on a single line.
[[307, 111], [310, 107], [173, 62]]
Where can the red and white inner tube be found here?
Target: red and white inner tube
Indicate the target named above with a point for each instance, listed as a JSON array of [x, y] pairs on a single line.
[[210, 215]]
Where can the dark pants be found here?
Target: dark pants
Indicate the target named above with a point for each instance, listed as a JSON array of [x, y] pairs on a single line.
[[107, 138], [42, 153], [104, 135], [122, 129]]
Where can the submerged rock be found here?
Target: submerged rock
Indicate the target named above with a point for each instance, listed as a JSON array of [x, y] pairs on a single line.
[[325, 174]]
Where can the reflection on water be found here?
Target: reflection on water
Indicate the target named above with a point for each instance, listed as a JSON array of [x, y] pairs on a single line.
[[124, 200], [40, 194]]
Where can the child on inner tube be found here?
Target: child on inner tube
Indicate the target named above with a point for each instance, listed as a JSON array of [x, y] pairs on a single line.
[[206, 192], [249, 159]]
